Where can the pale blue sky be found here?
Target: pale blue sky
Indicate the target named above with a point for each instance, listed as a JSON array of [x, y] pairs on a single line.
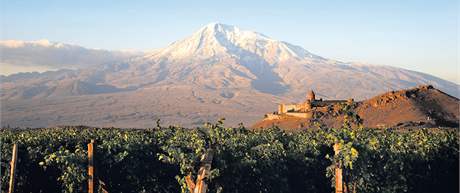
[[413, 34]]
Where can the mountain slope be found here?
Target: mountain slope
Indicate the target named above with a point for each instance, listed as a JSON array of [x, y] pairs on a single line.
[[423, 105], [222, 70]]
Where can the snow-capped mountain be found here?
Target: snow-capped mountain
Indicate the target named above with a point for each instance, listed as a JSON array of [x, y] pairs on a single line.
[[218, 71], [223, 56], [217, 40]]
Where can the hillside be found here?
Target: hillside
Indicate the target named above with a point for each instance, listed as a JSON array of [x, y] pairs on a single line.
[[422, 106]]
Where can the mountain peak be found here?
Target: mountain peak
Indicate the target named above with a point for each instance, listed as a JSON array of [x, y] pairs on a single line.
[[222, 40], [217, 26], [227, 33]]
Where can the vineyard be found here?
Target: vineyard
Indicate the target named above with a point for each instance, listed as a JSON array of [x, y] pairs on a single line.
[[271, 160]]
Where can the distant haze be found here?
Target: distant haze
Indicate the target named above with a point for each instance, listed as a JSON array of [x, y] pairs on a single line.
[[416, 35]]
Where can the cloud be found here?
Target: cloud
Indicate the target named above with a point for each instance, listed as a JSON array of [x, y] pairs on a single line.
[[42, 55]]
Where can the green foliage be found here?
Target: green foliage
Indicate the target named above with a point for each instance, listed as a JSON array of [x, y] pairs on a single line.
[[55, 160], [271, 160]]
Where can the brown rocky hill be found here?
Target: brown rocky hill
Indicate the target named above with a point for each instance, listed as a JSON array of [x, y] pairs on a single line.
[[422, 106]]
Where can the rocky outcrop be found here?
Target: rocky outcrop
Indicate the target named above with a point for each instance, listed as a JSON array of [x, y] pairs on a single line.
[[422, 106]]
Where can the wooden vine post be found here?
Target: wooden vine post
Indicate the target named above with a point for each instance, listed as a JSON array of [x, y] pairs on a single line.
[[0, 164], [91, 167], [14, 158], [338, 172], [203, 174]]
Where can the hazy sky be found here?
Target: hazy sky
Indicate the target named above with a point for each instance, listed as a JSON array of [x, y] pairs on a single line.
[[413, 34]]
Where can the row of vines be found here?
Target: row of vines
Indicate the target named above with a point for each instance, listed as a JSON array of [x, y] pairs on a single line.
[[270, 160]]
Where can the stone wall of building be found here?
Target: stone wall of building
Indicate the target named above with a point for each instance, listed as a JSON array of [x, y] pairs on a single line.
[[272, 116], [300, 115], [302, 107]]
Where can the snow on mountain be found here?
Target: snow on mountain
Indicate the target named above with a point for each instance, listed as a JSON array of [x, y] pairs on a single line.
[[220, 40]]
